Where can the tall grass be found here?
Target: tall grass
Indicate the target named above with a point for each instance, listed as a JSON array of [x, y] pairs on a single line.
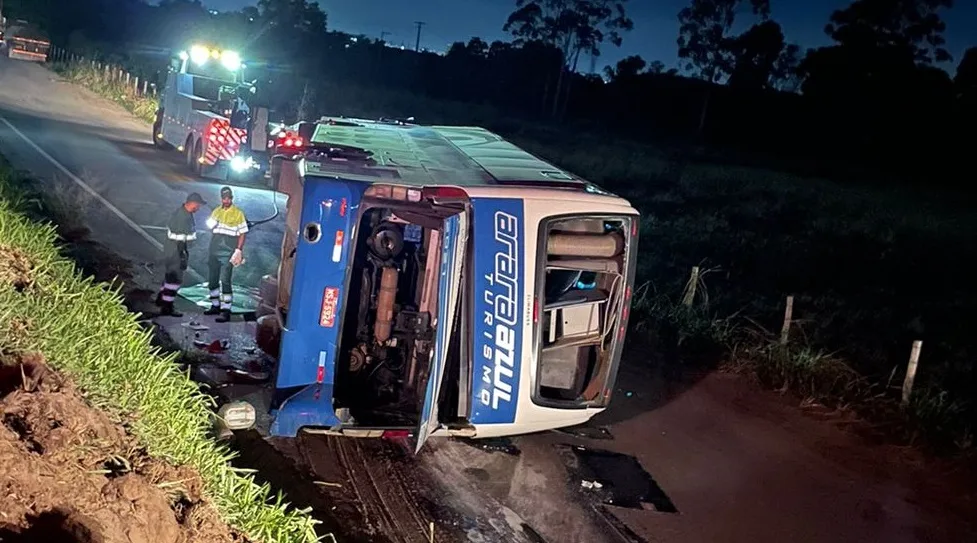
[[107, 85], [934, 416], [83, 330]]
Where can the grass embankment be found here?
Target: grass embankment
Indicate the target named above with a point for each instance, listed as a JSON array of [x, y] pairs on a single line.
[[109, 84], [868, 266], [82, 329]]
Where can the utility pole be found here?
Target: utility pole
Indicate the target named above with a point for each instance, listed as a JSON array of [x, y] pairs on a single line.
[[383, 34], [417, 44]]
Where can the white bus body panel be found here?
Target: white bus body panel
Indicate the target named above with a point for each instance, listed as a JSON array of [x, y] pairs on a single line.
[[538, 204]]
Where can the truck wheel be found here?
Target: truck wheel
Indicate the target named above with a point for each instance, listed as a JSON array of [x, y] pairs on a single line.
[[158, 141], [188, 153], [198, 153]]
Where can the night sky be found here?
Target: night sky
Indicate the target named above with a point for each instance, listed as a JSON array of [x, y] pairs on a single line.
[[653, 37]]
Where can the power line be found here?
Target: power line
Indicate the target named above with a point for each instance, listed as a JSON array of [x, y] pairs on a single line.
[[417, 43]]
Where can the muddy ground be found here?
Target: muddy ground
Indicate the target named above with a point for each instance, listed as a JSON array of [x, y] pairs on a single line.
[[70, 474]]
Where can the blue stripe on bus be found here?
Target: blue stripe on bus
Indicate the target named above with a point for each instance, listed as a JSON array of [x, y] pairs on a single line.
[[498, 277]]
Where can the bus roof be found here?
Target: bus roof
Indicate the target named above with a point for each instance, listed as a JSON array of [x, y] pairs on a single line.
[[433, 155]]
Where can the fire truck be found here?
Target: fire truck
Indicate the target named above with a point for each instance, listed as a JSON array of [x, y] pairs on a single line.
[[436, 281], [206, 112]]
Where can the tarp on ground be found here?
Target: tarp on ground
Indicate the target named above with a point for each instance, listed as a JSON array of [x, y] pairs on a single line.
[[245, 298]]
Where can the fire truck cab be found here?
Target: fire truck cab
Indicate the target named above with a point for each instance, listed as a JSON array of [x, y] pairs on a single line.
[[206, 113], [441, 281]]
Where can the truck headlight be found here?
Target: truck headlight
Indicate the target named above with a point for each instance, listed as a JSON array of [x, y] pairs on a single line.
[[231, 60], [199, 54], [240, 163], [237, 415]]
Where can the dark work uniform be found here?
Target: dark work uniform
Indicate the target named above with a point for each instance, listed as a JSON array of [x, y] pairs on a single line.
[[180, 231]]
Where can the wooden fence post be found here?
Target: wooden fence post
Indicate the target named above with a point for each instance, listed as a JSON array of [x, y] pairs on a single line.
[[907, 384], [689, 297], [788, 316]]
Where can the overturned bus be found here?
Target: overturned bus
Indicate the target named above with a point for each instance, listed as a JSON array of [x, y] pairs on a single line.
[[440, 281]]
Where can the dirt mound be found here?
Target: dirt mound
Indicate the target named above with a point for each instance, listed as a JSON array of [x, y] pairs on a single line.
[[15, 268], [69, 474]]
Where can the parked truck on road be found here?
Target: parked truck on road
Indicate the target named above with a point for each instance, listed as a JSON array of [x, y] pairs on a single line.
[[24, 42], [206, 112]]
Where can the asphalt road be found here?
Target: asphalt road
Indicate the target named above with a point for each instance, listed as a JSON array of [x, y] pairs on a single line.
[[714, 459], [58, 131]]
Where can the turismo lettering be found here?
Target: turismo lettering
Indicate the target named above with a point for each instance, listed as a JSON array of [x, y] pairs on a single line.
[[500, 316]]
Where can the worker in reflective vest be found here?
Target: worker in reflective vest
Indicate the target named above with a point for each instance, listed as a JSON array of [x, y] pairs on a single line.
[[180, 233], [228, 225]]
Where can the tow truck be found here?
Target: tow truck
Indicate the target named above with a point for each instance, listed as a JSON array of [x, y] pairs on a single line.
[[436, 281], [206, 113]]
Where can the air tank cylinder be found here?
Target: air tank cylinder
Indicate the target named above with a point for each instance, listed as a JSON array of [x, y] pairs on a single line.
[[385, 304]]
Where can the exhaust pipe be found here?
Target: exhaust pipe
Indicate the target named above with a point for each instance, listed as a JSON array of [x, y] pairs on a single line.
[[385, 304]]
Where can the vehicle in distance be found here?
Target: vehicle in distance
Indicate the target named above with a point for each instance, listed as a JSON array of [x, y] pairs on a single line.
[[24, 42]]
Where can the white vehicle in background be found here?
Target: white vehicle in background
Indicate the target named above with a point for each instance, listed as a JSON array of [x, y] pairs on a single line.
[[205, 112]]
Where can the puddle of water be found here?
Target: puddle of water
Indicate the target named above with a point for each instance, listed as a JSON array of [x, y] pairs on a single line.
[[615, 479]]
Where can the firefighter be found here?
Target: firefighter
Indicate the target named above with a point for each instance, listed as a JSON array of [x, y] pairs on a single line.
[[228, 225], [180, 232]]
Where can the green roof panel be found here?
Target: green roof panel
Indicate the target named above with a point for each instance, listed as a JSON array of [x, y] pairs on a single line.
[[434, 155]]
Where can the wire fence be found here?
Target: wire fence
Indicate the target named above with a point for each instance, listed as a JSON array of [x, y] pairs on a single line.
[[136, 93], [109, 73]]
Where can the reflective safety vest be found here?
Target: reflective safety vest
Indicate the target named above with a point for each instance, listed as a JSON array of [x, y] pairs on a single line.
[[226, 224], [179, 231]]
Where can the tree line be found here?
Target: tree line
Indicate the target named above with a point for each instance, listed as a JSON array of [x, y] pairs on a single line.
[[879, 96]]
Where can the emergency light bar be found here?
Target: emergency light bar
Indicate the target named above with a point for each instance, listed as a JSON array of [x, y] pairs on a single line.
[[200, 55]]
